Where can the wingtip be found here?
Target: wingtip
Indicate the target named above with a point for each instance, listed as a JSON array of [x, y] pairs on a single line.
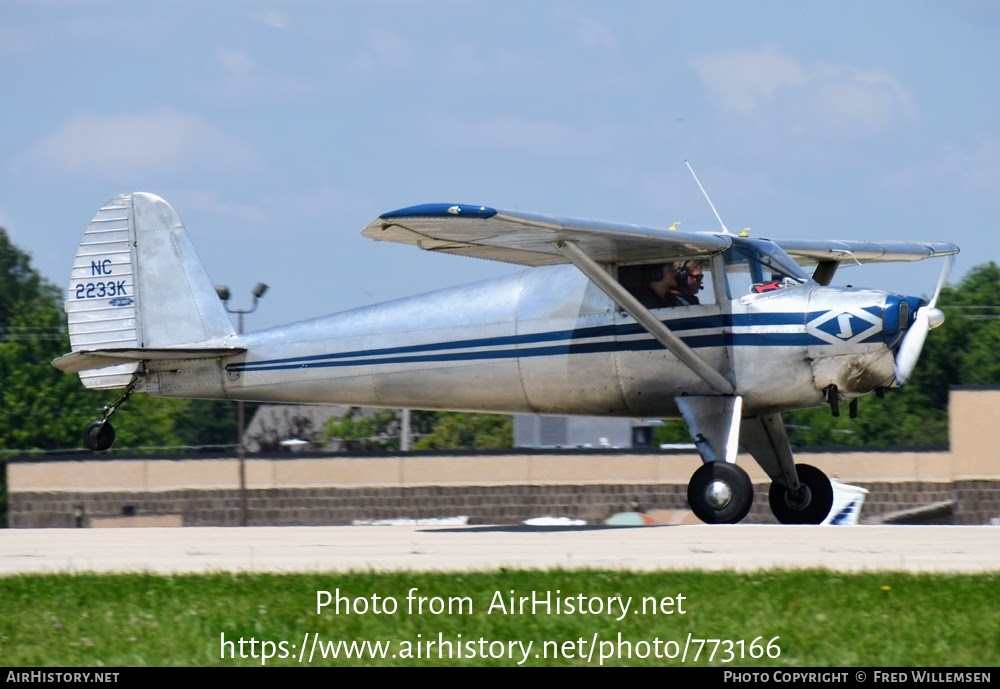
[[440, 210]]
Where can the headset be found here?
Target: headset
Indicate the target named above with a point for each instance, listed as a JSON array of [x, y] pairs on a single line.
[[654, 273], [683, 274]]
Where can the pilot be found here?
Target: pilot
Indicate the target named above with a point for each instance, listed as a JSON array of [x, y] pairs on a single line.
[[688, 278]]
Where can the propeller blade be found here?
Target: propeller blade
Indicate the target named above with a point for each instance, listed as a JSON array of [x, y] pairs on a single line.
[[910, 347], [945, 269], [927, 317]]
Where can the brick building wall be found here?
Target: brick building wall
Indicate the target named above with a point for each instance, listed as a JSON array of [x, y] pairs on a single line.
[[962, 483], [974, 502]]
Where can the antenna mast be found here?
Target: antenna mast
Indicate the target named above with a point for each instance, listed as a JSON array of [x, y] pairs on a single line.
[[724, 228]]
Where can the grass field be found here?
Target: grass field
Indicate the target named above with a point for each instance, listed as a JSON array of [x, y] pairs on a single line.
[[786, 618]]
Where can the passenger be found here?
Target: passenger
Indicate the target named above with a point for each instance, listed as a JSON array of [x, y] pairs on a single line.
[[658, 288], [671, 284]]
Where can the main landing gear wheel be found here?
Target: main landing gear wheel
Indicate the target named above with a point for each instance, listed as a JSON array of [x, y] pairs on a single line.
[[98, 435], [720, 493], [810, 505]]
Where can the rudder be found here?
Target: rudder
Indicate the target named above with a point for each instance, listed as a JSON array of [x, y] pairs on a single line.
[[137, 283]]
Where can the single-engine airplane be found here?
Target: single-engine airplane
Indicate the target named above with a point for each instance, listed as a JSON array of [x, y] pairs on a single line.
[[567, 334]]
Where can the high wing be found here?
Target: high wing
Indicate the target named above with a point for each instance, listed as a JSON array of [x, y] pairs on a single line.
[[860, 251], [530, 238]]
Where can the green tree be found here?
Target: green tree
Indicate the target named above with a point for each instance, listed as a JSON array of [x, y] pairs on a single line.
[[45, 409], [973, 321], [207, 424], [21, 287], [380, 429], [673, 431], [462, 431], [20, 284], [364, 429]]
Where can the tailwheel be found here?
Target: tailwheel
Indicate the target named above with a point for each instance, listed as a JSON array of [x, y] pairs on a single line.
[[809, 505], [98, 435], [720, 493]]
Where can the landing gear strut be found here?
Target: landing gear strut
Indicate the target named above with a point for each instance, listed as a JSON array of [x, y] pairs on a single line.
[[810, 504], [99, 435], [720, 493]]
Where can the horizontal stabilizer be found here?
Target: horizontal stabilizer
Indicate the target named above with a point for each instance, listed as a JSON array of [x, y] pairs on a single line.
[[87, 359]]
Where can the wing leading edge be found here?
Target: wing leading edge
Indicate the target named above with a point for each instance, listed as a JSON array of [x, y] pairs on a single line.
[[850, 251], [529, 238]]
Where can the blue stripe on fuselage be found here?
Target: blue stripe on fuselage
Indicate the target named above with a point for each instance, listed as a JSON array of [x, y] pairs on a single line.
[[568, 343], [554, 350]]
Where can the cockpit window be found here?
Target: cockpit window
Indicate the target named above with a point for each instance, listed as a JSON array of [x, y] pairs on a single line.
[[678, 283], [754, 266]]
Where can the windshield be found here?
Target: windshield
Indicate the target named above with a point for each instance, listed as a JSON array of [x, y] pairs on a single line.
[[754, 266]]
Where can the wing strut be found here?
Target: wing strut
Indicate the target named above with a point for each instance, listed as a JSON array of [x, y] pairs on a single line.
[[643, 317]]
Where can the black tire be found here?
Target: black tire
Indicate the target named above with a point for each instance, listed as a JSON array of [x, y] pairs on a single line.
[[720, 493], [811, 507], [98, 436]]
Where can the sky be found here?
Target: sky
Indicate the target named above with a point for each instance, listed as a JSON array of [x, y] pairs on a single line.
[[278, 130]]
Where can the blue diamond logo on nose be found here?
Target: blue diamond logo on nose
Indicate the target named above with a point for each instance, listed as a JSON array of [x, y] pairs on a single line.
[[851, 325]]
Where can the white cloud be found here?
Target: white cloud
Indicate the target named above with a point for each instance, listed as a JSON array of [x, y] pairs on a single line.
[[808, 100], [237, 63], [466, 60], [594, 34], [271, 18], [746, 80], [16, 42], [981, 168], [211, 204], [291, 212], [163, 141], [518, 134], [242, 78], [386, 51], [864, 99], [975, 172]]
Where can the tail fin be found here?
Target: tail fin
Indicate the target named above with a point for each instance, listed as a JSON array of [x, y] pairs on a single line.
[[138, 285]]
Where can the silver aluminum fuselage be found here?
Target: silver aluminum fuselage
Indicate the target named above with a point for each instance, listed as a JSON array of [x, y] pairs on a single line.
[[547, 340]]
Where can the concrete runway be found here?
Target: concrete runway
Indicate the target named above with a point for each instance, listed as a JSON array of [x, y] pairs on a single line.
[[480, 548]]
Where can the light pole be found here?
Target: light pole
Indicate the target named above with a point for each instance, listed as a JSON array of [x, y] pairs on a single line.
[[241, 450]]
